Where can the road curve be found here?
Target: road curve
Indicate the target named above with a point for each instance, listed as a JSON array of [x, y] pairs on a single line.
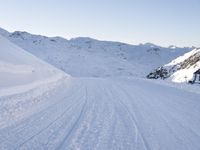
[[106, 114]]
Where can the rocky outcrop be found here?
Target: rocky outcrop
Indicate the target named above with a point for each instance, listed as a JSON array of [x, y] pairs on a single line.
[[189, 62], [160, 72]]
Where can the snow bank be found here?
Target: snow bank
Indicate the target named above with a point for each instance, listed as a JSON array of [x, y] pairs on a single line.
[[11, 68], [20, 71]]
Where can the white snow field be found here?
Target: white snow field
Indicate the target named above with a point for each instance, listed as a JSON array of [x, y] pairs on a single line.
[[42, 108], [105, 114]]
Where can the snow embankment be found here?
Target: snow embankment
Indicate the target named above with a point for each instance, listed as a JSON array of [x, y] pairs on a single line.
[[12, 68], [21, 71]]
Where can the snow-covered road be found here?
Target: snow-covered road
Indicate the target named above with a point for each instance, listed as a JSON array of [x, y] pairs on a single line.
[[105, 114]]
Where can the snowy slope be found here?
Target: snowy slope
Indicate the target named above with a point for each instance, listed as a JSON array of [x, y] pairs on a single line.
[[182, 68], [41, 108], [188, 64], [86, 57], [21, 71]]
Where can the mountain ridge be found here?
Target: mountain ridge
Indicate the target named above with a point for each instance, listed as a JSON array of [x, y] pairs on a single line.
[[89, 57]]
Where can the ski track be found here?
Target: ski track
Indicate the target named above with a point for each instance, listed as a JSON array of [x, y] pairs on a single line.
[[108, 114]]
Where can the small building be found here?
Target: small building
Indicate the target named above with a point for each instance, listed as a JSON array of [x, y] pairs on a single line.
[[196, 77]]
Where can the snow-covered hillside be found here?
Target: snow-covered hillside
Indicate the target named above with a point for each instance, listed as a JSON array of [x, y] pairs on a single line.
[[23, 80], [180, 69], [92, 58], [43, 108], [21, 71], [186, 66]]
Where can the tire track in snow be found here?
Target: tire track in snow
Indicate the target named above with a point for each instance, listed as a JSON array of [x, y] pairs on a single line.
[[51, 123], [97, 123], [43, 129], [132, 116], [91, 117], [162, 118], [117, 123], [75, 125], [44, 112]]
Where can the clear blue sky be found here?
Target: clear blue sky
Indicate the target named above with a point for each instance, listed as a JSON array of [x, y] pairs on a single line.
[[162, 22]]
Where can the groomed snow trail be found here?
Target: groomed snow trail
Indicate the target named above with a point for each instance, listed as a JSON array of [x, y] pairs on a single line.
[[106, 114]]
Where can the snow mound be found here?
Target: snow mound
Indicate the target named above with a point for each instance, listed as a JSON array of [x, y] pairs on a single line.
[[21, 71]]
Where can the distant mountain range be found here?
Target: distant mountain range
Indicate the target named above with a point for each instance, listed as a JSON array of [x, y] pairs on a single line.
[[87, 57]]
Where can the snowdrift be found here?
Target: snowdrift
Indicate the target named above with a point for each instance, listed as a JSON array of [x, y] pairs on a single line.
[[21, 71]]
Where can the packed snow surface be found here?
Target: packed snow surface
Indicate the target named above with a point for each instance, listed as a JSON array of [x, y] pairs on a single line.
[[103, 114]]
